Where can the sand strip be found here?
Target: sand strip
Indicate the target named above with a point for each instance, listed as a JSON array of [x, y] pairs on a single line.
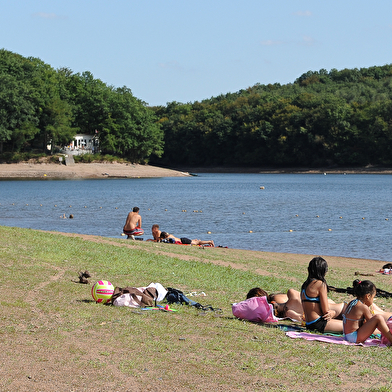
[[84, 171]]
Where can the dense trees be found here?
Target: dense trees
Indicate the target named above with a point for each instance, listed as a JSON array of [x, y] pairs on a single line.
[[323, 118], [40, 106]]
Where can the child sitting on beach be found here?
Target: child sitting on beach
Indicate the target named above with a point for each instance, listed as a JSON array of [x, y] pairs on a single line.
[[358, 321]]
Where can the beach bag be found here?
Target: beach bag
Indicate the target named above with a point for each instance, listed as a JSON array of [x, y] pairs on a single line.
[[160, 290], [175, 296], [134, 297], [256, 309], [384, 339]]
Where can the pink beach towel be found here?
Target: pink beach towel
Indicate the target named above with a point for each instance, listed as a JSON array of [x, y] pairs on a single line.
[[333, 339]]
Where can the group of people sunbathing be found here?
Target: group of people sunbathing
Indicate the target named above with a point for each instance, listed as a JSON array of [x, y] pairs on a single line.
[[133, 228], [357, 320]]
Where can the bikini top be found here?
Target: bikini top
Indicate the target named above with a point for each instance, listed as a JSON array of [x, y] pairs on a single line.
[[309, 299], [350, 306]]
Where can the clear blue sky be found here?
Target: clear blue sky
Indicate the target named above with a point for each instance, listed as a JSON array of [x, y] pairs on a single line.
[[186, 51]]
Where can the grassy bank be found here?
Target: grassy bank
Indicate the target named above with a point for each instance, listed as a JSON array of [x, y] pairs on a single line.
[[54, 337]]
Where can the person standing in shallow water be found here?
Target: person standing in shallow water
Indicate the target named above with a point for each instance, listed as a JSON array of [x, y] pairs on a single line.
[[133, 224]]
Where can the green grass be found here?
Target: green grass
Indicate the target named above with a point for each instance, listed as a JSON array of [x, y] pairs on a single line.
[[48, 320]]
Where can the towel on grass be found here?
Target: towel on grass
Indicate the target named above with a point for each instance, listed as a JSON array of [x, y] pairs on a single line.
[[333, 339]]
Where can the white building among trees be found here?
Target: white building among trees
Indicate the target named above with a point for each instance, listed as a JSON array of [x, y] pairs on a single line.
[[84, 143]]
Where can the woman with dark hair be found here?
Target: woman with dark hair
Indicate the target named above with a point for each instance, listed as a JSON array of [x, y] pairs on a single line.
[[256, 292], [314, 297], [289, 305]]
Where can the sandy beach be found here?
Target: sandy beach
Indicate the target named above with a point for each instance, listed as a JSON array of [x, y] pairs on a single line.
[[130, 170], [84, 171]]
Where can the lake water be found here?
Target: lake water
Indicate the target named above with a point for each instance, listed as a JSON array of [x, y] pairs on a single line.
[[334, 214]]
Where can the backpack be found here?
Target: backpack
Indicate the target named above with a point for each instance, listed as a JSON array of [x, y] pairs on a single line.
[[256, 309], [134, 297], [175, 296]]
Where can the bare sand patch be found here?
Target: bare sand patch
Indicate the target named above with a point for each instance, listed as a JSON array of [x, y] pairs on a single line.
[[85, 171]]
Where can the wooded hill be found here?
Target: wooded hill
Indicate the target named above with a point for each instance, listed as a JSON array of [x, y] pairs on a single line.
[[41, 106], [321, 119]]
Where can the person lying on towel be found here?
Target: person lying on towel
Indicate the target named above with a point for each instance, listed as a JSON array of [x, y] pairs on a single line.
[[166, 237]]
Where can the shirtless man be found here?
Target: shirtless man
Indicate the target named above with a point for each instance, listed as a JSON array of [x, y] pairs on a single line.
[[183, 240], [133, 224], [155, 233]]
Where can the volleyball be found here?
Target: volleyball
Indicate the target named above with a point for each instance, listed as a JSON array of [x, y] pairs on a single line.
[[102, 291]]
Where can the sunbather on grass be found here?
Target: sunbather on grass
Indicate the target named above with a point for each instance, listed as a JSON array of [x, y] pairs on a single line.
[[358, 321], [289, 305], [185, 241]]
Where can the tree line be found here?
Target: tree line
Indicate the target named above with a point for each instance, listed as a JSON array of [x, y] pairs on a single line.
[[322, 118], [41, 106], [336, 117]]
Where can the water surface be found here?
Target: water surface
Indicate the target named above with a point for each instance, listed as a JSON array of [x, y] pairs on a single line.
[[334, 214]]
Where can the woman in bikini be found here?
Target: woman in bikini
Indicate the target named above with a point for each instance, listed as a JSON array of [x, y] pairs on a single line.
[[319, 316], [183, 240], [290, 305]]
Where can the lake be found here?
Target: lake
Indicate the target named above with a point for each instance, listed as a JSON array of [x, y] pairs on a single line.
[[329, 215]]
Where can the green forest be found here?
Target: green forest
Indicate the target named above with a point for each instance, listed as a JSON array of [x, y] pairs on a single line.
[[41, 106], [324, 118]]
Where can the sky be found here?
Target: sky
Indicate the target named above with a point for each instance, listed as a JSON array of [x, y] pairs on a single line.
[[187, 51]]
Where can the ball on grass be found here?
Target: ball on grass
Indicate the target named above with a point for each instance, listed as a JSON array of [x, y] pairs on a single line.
[[102, 291]]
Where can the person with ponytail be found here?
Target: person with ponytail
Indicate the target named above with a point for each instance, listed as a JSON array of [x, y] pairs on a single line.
[[358, 321]]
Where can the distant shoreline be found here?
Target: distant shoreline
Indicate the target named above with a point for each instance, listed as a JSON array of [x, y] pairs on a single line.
[[27, 170], [296, 170]]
